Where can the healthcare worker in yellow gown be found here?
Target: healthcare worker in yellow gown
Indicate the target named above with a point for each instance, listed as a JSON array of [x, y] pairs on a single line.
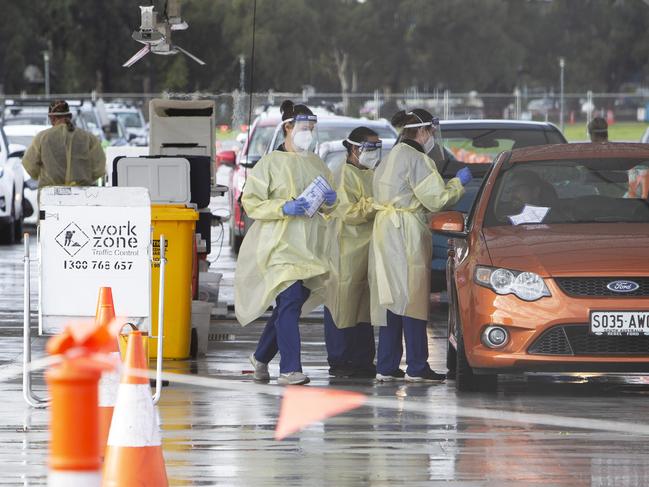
[[282, 258], [407, 188], [349, 337], [64, 155]]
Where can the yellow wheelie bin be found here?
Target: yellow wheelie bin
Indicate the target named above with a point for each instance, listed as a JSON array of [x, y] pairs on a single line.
[[177, 223]]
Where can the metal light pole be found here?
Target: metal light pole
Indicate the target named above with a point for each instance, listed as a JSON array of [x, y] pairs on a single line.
[[242, 73], [562, 65], [46, 59]]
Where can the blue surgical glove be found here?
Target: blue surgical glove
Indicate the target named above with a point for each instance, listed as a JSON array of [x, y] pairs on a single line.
[[295, 207], [464, 176], [330, 197]]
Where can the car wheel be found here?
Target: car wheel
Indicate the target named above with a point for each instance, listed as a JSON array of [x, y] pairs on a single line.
[[451, 361], [7, 233], [18, 230], [235, 241]]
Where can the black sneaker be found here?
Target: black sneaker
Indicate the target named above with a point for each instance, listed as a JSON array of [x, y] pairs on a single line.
[[364, 372], [396, 375], [428, 376], [340, 371]]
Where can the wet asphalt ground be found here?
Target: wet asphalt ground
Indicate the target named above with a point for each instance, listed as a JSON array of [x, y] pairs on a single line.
[[429, 434]]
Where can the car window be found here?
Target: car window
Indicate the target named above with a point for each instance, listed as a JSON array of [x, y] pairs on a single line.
[[260, 139], [481, 146], [130, 119], [578, 191], [473, 194]]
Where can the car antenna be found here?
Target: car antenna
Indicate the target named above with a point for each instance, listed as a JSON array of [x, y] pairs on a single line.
[[252, 85], [252, 68]]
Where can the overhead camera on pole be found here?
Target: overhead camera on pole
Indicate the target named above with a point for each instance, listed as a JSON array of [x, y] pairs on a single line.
[[156, 36]]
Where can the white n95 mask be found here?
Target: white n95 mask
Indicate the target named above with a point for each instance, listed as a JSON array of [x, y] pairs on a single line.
[[302, 140], [370, 159]]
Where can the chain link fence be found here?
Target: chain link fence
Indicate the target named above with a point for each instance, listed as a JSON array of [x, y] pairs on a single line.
[[235, 109]]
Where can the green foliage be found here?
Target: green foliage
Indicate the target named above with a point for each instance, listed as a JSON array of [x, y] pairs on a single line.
[[334, 45]]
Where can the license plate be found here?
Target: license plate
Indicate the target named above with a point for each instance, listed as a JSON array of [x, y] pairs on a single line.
[[619, 322]]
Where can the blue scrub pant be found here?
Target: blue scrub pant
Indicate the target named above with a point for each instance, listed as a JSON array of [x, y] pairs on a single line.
[[391, 348], [282, 332], [349, 347]]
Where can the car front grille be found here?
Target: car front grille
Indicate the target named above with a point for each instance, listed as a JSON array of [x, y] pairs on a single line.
[[596, 286], [574, 340]]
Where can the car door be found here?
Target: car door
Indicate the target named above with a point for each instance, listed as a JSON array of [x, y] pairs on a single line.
[[455, 244]]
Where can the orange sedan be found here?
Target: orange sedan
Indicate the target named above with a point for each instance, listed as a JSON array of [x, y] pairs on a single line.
[[550, 271]]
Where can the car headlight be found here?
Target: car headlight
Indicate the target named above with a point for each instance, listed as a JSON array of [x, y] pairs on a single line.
[[528, 286]]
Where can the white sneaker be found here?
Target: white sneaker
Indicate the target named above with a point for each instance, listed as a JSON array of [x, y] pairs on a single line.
[[261, 370], [396, 375], [293, 379]]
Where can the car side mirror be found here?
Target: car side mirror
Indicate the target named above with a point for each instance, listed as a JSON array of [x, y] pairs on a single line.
[[249, 161], [226, 157], [449, 223], [17, 154]]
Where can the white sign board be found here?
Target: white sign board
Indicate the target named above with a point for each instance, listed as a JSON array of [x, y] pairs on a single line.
[[90, 238]]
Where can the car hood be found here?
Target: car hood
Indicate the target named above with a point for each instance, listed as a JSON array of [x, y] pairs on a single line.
[[568, 250]]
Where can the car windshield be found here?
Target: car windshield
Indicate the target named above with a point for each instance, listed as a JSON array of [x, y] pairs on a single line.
[[481, 146], [90, 120], [35, 119], [25, 140], [129, 119], [328, 132], [577, 191], [260, 139]]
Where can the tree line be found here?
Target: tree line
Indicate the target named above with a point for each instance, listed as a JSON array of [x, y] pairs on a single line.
[[333, 45]]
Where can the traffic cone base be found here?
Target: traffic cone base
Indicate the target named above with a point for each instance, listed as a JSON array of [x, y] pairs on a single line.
[[134, 467], [73, 479]]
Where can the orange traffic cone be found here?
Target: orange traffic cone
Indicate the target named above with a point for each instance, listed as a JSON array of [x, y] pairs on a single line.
[[109, 380], [134, 451]]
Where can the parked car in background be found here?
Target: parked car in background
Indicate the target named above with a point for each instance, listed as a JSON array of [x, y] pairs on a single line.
[[334, 153], [23, 135], [132, 118], [645, 137], [549, 272], [475, 144], [11, 191], [266, 135]]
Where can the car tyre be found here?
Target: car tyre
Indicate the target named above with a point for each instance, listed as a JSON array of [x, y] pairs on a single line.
[[451, 361], [8, 233], [8, 230], [235, 242]]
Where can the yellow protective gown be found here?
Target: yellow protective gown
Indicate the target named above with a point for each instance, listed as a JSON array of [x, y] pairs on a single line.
[[279, 250], [58, 157], [349, 235], [406, 188]]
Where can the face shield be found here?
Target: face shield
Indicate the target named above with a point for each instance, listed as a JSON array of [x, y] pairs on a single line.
[[369, 154], [435, 143], [302, 136]]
